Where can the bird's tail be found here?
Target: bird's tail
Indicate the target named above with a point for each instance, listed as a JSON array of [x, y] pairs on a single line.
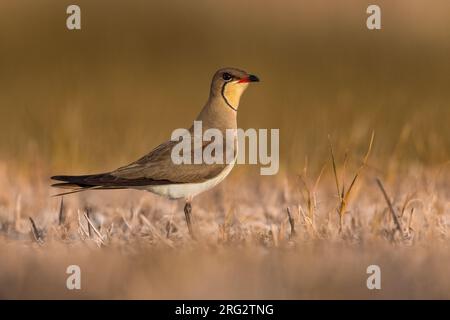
[[81, 183]]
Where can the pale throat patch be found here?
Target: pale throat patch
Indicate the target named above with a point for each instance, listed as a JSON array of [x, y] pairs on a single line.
[[233, 92]]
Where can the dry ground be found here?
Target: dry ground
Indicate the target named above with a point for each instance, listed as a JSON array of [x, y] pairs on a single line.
[[245, 248]]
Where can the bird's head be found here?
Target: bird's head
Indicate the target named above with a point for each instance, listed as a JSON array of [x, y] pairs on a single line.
[[229, 84]]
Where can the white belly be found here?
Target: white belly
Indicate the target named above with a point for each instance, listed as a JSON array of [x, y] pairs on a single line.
[[187, 190]]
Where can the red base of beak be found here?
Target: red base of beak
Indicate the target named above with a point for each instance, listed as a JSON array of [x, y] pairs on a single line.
[[250, 78]]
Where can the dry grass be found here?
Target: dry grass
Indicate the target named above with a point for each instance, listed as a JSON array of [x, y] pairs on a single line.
[[132, 244]]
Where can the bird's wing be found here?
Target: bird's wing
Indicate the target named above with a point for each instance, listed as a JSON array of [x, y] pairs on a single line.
[[157, 167]]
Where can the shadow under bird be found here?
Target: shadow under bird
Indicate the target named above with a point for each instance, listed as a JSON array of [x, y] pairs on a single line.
[[156, 172]]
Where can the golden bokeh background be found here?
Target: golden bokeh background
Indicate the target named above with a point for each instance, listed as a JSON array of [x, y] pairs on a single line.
[[94, 99]]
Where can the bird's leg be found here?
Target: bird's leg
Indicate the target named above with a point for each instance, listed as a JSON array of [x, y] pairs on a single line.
[[188, 214]]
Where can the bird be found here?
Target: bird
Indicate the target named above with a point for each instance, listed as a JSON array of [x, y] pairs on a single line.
[[156, 171]]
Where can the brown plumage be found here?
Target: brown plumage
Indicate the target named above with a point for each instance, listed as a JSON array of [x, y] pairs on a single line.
[[156, 169]]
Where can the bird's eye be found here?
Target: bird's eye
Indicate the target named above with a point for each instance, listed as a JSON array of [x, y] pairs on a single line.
[[226, 76]]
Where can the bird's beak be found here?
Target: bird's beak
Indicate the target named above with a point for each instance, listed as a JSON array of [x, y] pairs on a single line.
[[249, 78]]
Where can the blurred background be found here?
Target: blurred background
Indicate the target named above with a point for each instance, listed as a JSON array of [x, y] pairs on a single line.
[[94, 99]]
